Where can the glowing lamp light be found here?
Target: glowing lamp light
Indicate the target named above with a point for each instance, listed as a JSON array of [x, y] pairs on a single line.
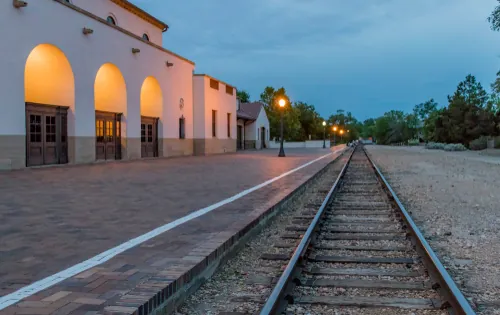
[[324, 123], [335, 128], [282, 102]]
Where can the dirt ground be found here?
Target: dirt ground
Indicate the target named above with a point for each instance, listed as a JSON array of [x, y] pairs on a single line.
[[454, 197]]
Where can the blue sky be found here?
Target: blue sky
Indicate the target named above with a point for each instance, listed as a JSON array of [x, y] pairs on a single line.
[[363, 56]]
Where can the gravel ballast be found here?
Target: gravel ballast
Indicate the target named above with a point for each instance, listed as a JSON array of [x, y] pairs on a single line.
[[220, 293], [454, 198]]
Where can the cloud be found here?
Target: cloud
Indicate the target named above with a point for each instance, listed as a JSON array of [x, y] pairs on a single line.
[[377, 53]]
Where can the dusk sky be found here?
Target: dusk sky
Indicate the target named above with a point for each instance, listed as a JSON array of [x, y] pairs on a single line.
[[363, 56]]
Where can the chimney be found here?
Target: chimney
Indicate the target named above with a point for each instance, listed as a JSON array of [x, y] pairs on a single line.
[[238, 103]]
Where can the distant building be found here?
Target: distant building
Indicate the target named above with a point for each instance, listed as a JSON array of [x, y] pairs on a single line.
[[214, 116], [253, 126], [87, 80]]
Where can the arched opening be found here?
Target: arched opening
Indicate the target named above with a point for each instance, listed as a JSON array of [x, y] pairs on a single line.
[[151, 111], [49, 89], [110, 95]]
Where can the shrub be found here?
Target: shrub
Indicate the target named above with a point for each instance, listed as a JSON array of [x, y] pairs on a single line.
[[497, 142], [413, 142], [434, 146], [480, 143], [455, 147]]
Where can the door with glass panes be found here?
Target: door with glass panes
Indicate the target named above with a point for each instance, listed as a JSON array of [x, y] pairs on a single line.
[[149, 136], [46, 134], [108, 135]]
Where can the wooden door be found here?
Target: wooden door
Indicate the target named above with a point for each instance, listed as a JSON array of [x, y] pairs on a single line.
[[263, 138], [239, 138], [108, 136], [46, 134], [149, 136]]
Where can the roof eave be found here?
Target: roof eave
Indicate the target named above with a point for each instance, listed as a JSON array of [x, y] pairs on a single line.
[[142, 14]]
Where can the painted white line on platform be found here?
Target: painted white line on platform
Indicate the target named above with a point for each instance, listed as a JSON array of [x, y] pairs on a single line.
[[45, 283]]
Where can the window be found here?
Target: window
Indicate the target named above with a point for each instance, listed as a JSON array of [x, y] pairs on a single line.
[[143, 132], [214, 123], [145, 37], [182, 128], [214, 84], [99, 130], [111, 20], [50, 129], [35, 128], [229, 125], [229, 89]]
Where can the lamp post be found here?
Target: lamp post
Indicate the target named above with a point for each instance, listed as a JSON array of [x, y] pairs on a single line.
[[324, 134], [341, 135], [282, 104], [334, 135]]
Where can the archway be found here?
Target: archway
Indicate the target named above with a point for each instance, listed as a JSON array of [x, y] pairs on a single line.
[[151, 111], [110, 96], [49, 90]]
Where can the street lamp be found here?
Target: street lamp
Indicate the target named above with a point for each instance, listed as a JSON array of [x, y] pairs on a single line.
[[282, 104], [334, 135], [324, 134], [341, 135]]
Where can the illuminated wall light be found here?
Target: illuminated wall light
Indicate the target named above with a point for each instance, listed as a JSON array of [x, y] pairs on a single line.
[[19, 4]]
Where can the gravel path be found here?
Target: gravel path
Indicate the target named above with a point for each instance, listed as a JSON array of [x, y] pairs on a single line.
[[454, 197]]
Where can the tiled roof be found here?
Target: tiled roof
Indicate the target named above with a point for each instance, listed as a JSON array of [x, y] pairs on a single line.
[[249, 110]]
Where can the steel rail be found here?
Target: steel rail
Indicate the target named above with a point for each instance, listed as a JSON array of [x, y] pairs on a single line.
[[457, 300], [272, 303]]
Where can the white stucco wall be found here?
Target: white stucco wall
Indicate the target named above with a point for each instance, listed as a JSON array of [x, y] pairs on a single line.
[[199, 107], [261, 121], [123, 18], [209, 99], [53, 23], [310, 144]]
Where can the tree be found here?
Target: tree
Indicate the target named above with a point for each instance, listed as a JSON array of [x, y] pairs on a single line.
[[243, 96], [310, 121], [423, 112], [292, 128], [493, 103], [467, 116], [494, 18], [471, 91], [368, 129]]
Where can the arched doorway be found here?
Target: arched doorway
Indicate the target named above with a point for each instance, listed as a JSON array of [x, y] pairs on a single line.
[[49, 87], [110, 95], [151, 111]]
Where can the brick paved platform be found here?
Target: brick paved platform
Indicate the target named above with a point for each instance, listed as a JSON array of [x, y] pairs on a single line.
[[54, 218]]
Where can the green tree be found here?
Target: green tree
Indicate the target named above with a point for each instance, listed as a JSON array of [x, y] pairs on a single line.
[[494, 18], [368, 129], [292, 128], [467, 116], [243, 96], [310, 121], [471, 92], [424, 112]]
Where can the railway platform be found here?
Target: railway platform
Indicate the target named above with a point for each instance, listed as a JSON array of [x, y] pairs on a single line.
[[128, 238]]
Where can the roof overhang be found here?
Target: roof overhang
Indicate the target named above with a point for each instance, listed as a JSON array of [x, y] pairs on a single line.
[[142, 14]]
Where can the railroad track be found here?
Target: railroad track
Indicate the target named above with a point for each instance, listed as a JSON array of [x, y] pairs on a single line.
[[347, 246], [361, 253]]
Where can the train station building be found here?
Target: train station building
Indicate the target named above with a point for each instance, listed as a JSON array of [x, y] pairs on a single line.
[[85, 81]]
